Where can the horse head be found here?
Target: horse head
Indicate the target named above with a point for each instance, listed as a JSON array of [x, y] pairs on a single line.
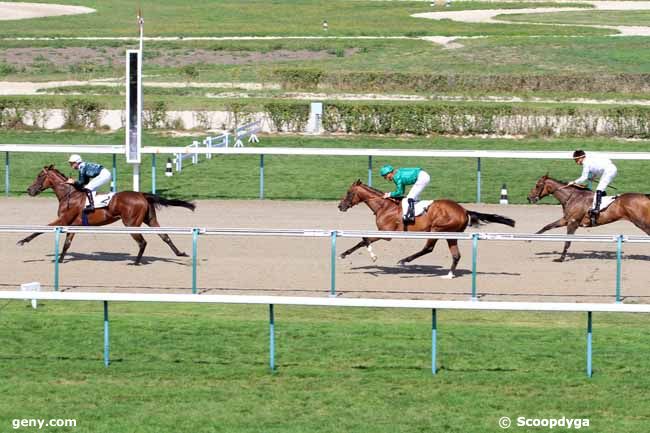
[[540, 190], [352, 196], [47, 177]]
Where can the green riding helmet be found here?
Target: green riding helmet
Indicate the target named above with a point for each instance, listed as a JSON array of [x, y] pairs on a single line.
[[386, 169]]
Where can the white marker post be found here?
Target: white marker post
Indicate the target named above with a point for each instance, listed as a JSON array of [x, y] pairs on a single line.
[[134, 107]]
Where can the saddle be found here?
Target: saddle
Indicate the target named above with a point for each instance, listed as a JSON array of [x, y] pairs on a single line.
[[101, 200]]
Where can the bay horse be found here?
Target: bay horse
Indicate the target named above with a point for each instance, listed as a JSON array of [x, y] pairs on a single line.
[[133, 208], [576, 202], [441, 216]]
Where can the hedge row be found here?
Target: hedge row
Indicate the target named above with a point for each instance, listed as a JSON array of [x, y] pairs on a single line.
[[312, 79]]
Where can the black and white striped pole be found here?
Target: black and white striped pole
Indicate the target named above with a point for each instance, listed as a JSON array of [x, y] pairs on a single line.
[[168, 168], [504, 195]]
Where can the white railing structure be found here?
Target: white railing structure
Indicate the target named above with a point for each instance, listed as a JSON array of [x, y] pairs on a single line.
[[248, 131], [343, 152], [195, 232], [189, 153], [271, 301], [214, 142]]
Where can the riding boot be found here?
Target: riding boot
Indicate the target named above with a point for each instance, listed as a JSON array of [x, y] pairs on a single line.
[[409, 218], [91, 201], [593, 214]]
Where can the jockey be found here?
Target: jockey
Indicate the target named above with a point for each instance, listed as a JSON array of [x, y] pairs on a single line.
[[595, 165], [402, 177], [91, 177]]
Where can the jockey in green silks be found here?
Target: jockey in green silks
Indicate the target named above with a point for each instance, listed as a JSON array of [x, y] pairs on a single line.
[[402, 178]]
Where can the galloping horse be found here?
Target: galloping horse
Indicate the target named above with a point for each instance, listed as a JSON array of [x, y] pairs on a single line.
[[133, 208], [577, 201], [441, 216]]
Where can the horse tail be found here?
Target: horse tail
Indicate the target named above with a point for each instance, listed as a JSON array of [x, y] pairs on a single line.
[[158, 201], [475, 217]]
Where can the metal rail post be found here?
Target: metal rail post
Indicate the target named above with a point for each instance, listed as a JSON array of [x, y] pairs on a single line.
[[114, 186], [370, 170], [589, 371], [333, 236], [153, 173], [195, 238], [57, 236], [619, 248], [262, 177], [7, 174], [271, 338], [474, 260], [434, 336], [478, 180], [106, 340]]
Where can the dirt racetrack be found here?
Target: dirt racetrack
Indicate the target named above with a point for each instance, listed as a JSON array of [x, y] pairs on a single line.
[[301, 266]]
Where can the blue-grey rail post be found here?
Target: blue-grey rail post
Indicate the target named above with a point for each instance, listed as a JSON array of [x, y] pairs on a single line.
[[262, 177], [478, 180], [106, 340], [333, 235], [434, 336], [153, 173], [474, 261], [271, 338], [57, 236], [7, 174], [195, 239], [114, 185], [589, 371], [619, 248], [370, 170]]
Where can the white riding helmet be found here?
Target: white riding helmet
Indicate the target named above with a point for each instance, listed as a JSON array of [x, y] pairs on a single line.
[[75, 158]]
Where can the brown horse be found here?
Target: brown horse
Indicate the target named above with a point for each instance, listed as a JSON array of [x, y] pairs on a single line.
[[577, 201], [133, 208], [441, 216]]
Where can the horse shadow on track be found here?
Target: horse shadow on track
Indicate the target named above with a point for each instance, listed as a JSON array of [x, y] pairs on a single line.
[[103, 256], [416, 271], [597, 255]]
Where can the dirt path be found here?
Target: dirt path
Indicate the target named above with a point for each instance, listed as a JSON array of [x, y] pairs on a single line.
[[301, 266], [21, 11]]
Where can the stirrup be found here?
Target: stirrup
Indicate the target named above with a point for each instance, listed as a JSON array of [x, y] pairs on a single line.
[[593, 217], [89, 209]]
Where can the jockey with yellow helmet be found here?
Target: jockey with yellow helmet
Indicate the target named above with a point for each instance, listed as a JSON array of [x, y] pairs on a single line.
[[91, 177], [403, 177]]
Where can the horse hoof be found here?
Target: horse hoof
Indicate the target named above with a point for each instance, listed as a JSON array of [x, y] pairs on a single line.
[[182, 254], [560, 260], [449, 276], [402, 263]]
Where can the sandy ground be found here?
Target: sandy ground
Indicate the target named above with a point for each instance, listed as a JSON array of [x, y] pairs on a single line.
[[20, 11], [301, 266]]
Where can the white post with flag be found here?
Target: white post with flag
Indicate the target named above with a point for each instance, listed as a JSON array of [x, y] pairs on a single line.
[[134, 107]]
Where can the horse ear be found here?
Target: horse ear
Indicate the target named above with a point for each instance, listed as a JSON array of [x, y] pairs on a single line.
[[50, 167], [358, 182]]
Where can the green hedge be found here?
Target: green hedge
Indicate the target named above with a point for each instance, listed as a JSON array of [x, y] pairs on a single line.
[[310, 79]]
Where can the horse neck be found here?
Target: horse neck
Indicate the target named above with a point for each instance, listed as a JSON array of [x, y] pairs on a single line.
[[560, 191], [60, 188], [373, 200]]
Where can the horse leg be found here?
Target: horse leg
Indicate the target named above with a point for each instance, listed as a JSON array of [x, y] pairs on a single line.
[[455, 258], [555, 224], [153, 222], [428, 247], [365, 242], [57, 222], [142, 244], [571, 229], [66, 245]]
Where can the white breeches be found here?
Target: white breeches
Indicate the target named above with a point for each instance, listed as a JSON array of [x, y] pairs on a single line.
[[421, 183], [607, 177], [103, 177]]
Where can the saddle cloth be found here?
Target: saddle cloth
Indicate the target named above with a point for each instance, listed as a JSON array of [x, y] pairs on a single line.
[[606, 201], [101, 200], [422, 206]]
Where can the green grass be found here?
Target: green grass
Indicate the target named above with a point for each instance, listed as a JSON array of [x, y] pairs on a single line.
[[252, 17], [203, 368], [327, 178]]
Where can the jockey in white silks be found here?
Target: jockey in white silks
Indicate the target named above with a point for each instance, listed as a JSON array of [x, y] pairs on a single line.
[[91, 177], [597, 166]]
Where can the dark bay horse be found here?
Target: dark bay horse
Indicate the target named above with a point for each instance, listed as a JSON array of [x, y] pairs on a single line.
[[133, 208], [577, 201], [442, 216]]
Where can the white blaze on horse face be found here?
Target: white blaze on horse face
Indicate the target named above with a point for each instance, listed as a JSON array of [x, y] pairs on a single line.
[[372, 255]]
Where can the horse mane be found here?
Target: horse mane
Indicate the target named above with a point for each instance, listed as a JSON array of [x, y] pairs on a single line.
[[373, 189], [578, 187], [58, 172]]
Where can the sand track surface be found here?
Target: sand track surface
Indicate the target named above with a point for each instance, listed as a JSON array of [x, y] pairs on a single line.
[[301, 266]]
